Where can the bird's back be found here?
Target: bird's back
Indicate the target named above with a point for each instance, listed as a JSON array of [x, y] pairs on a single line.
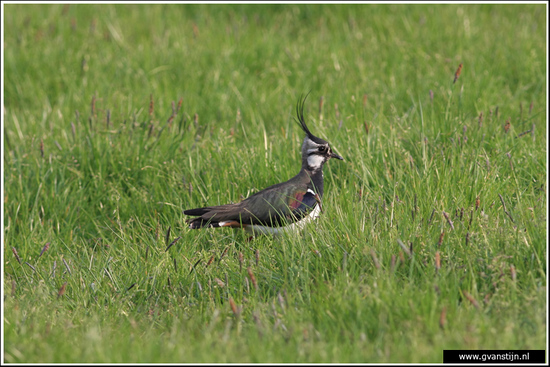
[[272, 206]]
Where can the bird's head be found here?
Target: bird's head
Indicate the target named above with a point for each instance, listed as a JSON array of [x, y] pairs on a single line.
[[315, 151]]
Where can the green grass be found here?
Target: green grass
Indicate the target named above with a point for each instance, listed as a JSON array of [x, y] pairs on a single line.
[[103, 182]]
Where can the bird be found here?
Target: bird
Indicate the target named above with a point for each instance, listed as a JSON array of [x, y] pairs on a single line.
[[286, 206]]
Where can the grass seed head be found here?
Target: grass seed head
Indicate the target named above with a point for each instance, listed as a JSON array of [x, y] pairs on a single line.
[[401, 257], [179, 105], [507, 126], [431, 216], [374, 259], [238, 117], [523, 133], [53, 269], [405, 248], [62, 290], [442, 317], [151, 105], [210, 260], [252, 278], [457, 73], [234, 308], [167, 238], [471, 299], [172, 243], [449, 220], [281, 301], [92, 109], [16, 255], [223, 253], [195, 265], [440, 239], [344, 260]]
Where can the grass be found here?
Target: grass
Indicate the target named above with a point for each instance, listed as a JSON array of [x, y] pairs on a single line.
[[118, 117]]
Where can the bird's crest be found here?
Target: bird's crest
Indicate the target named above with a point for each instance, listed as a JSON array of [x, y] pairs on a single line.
[[302, 122]]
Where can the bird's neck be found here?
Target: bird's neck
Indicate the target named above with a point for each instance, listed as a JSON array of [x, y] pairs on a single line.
[[316, 178]]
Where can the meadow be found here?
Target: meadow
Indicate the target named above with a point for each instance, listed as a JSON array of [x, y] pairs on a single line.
[[118, 117]]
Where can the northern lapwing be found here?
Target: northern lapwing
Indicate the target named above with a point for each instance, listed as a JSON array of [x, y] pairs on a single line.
[[285, 206]]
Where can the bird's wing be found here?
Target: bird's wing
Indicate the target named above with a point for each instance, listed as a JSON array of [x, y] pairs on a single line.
[[279, 205], [273, 206]]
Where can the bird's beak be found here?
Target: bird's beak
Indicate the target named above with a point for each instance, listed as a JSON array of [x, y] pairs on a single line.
[[334, 155]]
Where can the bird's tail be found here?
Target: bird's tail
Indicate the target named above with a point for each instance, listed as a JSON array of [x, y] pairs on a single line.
[[196, 223], [206, 217]]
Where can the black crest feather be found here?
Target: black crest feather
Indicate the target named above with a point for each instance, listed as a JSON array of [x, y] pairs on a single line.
[[302, 122], [300, 114]]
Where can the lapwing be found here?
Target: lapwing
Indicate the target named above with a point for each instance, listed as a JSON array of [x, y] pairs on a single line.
[[285, 206]]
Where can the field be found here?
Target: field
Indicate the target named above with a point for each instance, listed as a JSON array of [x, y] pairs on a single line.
[[118, 117]]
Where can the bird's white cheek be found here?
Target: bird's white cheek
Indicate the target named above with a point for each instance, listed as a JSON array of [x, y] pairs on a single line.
[[315, 161]]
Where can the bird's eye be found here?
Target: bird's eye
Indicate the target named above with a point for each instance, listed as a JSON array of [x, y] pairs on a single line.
[[322, 148]]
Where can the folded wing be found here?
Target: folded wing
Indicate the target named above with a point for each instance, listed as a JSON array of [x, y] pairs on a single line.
[[272, 207]]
